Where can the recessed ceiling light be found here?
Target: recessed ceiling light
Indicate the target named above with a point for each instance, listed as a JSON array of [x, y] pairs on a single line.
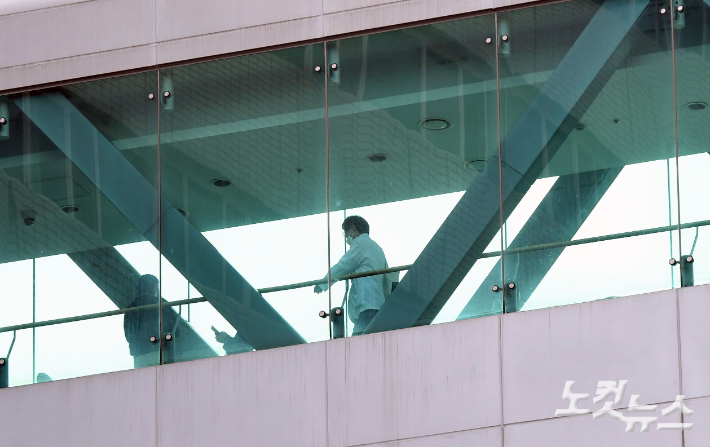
[[695, 106], [580, 126], [377, 158], [435, 124], [70, 208], [221, 182], [183, 212], [475, 165]]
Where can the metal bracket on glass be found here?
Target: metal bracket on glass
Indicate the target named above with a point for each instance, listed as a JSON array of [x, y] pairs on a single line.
[[5, 366], [686, 269], [4, 119], [166, 86], [168, 348], [337, 318], [503, 38], [334, 63], [678, 14], [511, 298]]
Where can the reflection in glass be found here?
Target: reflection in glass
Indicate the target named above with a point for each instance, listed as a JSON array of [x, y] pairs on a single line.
[[243, 169], [587, 117], [692, 98], [68, 204], [412, 126]]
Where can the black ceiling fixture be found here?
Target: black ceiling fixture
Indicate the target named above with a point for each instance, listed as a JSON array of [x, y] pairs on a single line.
[[435, 124], [377, 158], [221, 182]]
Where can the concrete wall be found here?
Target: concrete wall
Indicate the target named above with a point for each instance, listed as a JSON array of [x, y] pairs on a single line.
[[488, 382], [46, 41]]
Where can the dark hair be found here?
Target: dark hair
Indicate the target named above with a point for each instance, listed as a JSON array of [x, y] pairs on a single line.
[[358, 222]]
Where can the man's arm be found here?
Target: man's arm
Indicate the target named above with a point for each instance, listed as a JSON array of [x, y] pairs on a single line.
[[346, 265]]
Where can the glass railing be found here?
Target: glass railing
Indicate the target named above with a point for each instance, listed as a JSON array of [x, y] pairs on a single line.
[[497, 163]]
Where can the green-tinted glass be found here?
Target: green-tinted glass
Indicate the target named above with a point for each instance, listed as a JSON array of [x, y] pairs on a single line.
[[78, 227], [413, 146], [243, 178], [691, 26], [588, 152]]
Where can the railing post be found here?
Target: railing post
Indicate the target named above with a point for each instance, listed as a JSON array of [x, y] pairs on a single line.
[[4, 373], [686, 265], [337, 317]]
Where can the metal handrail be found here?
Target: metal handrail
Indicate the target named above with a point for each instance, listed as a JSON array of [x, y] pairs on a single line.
[[314, 282], [589, 240]]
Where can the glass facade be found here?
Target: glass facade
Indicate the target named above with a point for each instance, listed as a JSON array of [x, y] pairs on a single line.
[[518, 160]]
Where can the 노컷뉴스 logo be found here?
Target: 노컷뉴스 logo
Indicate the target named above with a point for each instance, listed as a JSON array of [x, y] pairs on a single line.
[[607, 388]]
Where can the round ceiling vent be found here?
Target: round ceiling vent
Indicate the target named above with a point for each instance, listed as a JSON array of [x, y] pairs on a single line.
[[221, 182], [70, 208], [377, 158], [435, 124], [695, 106]]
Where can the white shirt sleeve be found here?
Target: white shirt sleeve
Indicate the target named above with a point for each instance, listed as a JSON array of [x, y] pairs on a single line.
[[346, 265]]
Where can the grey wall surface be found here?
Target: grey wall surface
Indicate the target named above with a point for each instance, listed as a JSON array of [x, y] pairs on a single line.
[[46, 41], [489, 382]]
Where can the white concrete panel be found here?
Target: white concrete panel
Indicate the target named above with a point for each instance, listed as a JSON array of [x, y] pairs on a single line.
[[185, 18], [699, 434], [266, 398], [77, 67], [632, 339], [414, 382], [695, 340], [331, 6], [584, 431], [484, 437], [56, 32], [107, 410], [77, 29], [381, 13], [16, 6], [240, 40]]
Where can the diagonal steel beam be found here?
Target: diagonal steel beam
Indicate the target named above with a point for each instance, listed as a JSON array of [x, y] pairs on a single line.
[[531, 143], [118, 280], [558, 218], [183, 246]]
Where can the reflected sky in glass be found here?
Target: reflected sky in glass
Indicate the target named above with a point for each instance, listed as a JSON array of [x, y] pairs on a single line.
[[276, 253]]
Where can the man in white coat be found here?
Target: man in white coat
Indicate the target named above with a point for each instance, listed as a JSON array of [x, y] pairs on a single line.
[[367, 294]]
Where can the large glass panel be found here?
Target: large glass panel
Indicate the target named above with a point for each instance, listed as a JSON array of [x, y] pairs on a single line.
[[413, 144], [243, 177], [692, 46], [588, 152], [79, 208]]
